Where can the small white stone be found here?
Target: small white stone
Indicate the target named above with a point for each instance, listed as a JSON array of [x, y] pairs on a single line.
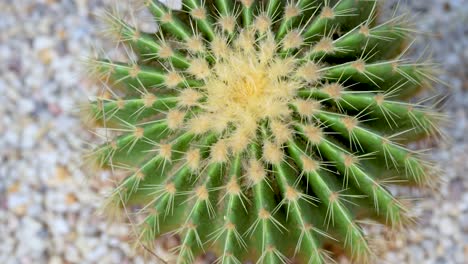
[[72, 254], [447, 227], [55, 260], [60, 226], [25, 106], [29, 134]]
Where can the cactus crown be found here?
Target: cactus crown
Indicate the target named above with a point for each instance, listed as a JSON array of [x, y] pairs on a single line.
[[263, 130]]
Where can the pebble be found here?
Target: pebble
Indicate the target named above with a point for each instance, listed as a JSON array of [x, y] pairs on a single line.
[[439, 237], [51, 207]]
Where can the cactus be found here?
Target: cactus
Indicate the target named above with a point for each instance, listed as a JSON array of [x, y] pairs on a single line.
[[264, 130]]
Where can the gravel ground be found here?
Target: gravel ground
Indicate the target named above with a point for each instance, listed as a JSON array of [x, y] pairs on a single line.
[[48, 204]]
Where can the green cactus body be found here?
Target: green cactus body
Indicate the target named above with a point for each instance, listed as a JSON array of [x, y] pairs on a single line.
[[264, 130]]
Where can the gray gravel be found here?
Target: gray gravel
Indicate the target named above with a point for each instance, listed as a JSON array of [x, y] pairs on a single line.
[[441, 235], [48, 204]]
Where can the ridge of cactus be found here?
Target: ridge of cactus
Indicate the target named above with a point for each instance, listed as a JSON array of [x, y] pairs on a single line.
[[263, 131]]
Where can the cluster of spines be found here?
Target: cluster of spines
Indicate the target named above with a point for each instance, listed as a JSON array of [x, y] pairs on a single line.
[[308, 179]]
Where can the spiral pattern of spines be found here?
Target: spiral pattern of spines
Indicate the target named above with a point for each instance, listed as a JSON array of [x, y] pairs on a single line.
[[264, 130]]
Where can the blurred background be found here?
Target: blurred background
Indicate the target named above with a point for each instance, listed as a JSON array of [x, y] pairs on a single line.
[[49, 203]]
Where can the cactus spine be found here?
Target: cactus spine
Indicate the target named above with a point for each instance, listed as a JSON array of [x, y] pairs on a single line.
[[264, 130]]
